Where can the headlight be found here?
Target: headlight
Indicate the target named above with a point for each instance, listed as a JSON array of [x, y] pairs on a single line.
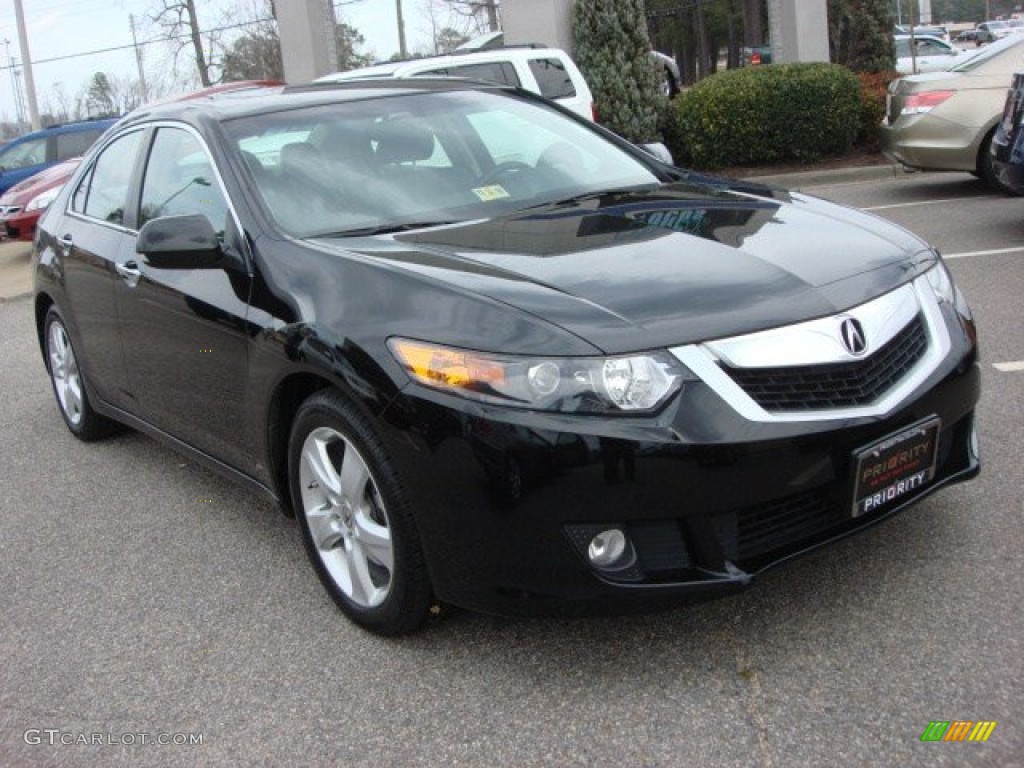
[[621, 384], [42, 200], [942, 283]]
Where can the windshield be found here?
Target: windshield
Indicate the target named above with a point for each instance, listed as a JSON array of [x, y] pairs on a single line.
[[425, 158], [994, 51]]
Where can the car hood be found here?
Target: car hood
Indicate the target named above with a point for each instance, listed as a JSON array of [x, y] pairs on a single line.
[[23, 192], [681, 264]]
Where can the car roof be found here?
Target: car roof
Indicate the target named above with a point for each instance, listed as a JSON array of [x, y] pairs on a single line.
[[921, 37], [232, 105], [81, 125], [485, 55]]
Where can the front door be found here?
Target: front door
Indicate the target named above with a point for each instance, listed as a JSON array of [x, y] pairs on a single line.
[[184, 331]]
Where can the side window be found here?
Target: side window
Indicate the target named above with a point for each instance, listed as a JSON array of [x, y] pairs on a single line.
[[24, 155], [104, 190], [490, 72], [180, 180], [552, 78], [75, 144]]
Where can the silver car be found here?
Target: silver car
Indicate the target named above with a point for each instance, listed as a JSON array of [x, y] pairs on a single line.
[[944, 121]]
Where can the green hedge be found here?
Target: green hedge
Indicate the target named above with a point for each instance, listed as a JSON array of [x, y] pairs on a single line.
[[768, 114]]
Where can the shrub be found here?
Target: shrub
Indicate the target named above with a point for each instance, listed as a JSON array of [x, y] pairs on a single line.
[[873, 88], [768, 114]]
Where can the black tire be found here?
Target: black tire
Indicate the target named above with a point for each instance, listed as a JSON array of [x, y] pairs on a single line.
[[343, 528], [68, 383], [986, 169]]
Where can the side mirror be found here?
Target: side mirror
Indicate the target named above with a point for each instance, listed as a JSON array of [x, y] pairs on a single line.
[[658, 151], [180, 242]]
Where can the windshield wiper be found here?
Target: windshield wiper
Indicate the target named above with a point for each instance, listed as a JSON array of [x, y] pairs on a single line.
[[384, 229], [584, 196]]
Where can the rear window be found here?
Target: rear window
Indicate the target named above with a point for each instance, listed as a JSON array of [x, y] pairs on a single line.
[[553, 80], [74, 144]]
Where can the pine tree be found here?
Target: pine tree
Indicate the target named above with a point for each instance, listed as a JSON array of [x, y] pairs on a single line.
[[860, 34], [613, 52]]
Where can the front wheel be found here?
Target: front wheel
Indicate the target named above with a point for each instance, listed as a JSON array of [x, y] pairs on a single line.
[[986, 169], [357, 525]]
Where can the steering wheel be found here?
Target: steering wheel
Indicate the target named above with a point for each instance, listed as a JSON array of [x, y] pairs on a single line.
[[501, 169]]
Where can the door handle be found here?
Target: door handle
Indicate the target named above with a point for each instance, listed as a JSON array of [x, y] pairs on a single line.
[[66, 241], [130, 272]]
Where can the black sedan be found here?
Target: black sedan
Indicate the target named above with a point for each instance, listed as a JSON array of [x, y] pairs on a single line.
[[491, 355], [1008, 140]]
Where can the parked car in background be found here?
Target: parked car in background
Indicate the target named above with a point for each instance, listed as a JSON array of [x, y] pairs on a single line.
[[922, 31], [966, 36], [932, 54], [670, 76], [23, 204], [990, 31], [490, 354], [944, 121], [1008, 140], [547, 71], [753, 56], [29, 154]]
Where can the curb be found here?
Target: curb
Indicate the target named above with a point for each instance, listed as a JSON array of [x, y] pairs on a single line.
[[806, 179]]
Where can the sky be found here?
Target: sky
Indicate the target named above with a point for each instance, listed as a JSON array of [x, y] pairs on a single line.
[[58, 28]]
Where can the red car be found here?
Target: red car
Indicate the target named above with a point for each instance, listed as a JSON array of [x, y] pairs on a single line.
[[23, 204]]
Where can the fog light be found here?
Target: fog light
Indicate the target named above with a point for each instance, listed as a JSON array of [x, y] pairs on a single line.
[[608, 549]]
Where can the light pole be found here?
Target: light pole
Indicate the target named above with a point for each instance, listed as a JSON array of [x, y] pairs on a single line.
[[26, 63], [401, 31]]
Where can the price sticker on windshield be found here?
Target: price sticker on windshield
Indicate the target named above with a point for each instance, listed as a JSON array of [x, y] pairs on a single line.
[[491, 193]]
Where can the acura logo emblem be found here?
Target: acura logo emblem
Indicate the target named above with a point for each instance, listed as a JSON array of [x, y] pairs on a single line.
[[852, 334]]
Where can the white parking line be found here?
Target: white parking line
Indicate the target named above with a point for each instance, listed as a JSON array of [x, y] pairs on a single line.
[[923, 202], [1009, 367], [993, 252]]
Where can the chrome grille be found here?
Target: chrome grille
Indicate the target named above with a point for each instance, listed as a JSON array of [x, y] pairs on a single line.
[[836, 385]]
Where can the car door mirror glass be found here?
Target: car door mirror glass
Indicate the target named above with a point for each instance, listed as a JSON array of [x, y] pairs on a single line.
[[180, 242]]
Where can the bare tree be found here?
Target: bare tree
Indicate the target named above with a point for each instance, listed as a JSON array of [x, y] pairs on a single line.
[[483, 15], [58, 102], [180, 25]]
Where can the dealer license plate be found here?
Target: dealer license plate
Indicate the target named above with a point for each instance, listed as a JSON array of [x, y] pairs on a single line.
[[895, 466]]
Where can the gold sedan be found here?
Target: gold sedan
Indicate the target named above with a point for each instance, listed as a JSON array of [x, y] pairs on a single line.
[[944, 121]]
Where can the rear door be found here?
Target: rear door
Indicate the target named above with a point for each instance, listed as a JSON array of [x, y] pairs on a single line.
[[92, 237]]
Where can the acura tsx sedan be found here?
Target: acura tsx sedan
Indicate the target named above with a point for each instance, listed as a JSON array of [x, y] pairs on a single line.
[[489, 354]]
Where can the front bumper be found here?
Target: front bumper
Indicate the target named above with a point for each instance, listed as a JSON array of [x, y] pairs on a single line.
[[507, 501], [21, 226]]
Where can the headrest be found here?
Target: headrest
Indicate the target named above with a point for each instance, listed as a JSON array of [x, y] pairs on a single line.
[[402, 141], [299, 154], [348, 148]]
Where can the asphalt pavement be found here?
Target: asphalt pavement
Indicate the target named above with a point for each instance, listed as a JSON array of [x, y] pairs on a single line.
[[144, 595]]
